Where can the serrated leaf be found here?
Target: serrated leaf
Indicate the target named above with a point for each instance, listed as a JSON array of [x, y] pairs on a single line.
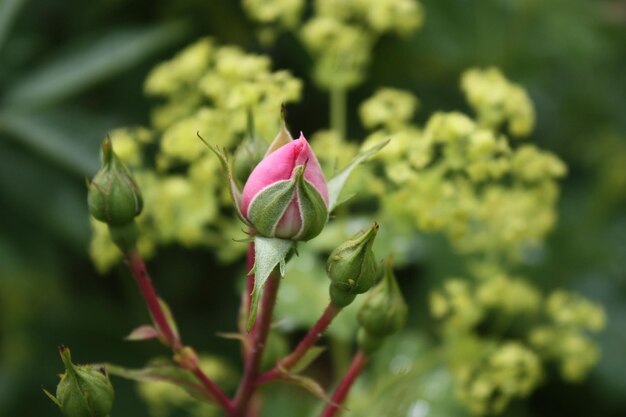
[[307, 359], [95, 61], [336, 184], [163, 371], [308, 384], [142, 333], [269, 252]]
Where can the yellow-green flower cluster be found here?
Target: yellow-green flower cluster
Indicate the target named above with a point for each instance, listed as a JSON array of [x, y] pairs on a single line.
[[496, 101], [399, 16], [462, 177], [341, 34], [388, 107], [565, 337], [341, 51], [284, 13], [503, 373], [521, 330], [208, 89]]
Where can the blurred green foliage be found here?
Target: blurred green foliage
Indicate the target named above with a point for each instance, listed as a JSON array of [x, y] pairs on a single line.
[[70, 72]]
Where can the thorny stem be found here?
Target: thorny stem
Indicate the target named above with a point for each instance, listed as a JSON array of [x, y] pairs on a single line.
[[138, 267], [357, 365], [258, 335], [305, 344]]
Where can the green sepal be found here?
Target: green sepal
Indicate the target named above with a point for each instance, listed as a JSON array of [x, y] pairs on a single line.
[[336, 184], [313, 209], [235, 192], [269, 253], [283, 137], [269, 205]]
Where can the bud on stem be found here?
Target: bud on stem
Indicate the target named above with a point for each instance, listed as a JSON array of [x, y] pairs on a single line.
[[383, 313], [352, 267], [113, 197], [83, 390]]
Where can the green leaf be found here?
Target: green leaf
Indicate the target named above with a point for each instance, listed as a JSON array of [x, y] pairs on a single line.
[[308, 384], [307, 359], [335, 184], [167, 311], [9, 9], [110, 55], [269, 253], [59, 136], [142, 333], [164, 371]]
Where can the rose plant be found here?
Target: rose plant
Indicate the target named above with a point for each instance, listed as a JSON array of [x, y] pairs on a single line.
[[285, 200]]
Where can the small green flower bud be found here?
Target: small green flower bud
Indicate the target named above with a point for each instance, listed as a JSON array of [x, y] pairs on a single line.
[[113, 197], [125, 236], [384, 310], [83, 391], [368, 343], [340, 297], [352, 267]]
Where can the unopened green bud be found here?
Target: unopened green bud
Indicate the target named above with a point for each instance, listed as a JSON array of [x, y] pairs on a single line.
[[125, 236], [384, 310], [84, 391], [368, 343], [339, 297], [352, 267], [113, 197]]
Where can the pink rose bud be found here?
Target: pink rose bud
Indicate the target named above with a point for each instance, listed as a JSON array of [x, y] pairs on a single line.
[[286, 194]]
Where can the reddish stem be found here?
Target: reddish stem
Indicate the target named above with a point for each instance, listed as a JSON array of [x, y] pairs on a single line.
[[305, 344], [142, 277], [259, 336], [138, 267], [357, 365]]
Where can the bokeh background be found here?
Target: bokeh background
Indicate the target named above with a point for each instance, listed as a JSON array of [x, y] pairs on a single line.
[[71, 71]]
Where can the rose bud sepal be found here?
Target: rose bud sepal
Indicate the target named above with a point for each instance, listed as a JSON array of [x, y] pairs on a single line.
[[84, 391]]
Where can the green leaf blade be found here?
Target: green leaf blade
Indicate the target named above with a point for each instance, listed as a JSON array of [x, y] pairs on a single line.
[[336, 184], [269, 253]]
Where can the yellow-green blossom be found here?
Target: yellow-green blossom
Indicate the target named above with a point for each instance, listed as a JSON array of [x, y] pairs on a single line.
[[497, 100]]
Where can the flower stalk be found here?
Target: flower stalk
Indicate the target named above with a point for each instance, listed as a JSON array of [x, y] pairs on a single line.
[[258, 338], [309, 340], [358, 363], [169, 335]]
